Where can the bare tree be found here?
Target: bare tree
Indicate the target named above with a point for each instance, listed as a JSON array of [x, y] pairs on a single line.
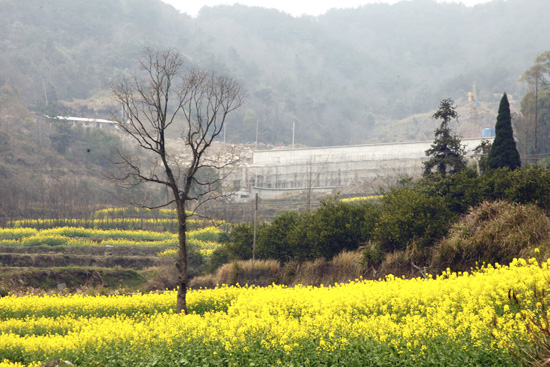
[[521, 126], [536, 78], [312, 179], [194, 103]]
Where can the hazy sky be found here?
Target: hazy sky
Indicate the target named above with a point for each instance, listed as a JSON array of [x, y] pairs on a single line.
[[294, 7]]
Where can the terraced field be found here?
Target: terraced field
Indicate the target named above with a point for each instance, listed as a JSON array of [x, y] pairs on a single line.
[[116, 247]]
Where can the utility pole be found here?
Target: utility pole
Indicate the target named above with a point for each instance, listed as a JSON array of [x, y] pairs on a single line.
[[255, 227], [257, 133], [293, 128], [536, 119], [45, 93]]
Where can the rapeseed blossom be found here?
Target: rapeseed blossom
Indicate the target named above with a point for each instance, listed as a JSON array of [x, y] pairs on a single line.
[[361, 198], [203, 239], [447, 319]]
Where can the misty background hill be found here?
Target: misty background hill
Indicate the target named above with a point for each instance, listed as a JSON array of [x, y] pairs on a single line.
[[371, 74]]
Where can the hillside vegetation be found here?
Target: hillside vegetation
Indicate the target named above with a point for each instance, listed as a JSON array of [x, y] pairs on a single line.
[[370, 74], [360, 68], [51, 170]]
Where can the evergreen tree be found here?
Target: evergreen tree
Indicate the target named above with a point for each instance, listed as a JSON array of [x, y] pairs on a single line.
[[504, 153], [446, 154]]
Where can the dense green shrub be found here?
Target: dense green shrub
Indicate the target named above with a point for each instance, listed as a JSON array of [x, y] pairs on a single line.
[[494, 184], [220, 256], [460, 191], [272, 240], [300, 237], [467, 189], [406, 215], [529, 185], [334, 227], [241, 240]]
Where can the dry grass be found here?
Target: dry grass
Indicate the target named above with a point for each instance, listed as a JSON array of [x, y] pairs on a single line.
[[251, 272], [165, 278], [493, 232], [397, 263], [313, 273], [344, 267]]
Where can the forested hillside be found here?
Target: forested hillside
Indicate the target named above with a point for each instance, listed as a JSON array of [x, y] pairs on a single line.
[[343, 77], [50, 169]]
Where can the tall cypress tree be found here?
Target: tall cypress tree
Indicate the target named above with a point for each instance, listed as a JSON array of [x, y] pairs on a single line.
[[504, 153]]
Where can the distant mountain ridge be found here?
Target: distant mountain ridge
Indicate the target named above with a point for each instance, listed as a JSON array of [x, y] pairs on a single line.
[[343, 78]]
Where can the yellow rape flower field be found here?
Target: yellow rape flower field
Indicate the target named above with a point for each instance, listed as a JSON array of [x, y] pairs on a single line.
[[204, 239], [463, 319]]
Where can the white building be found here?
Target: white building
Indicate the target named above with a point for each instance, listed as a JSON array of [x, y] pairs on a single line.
[[281, 172], [87, 122]]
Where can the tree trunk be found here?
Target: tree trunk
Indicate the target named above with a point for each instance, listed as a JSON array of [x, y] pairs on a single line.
[[181, 263]]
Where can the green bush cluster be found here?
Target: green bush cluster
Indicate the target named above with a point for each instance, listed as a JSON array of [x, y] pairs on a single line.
[[411, 217], [334, 227]]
